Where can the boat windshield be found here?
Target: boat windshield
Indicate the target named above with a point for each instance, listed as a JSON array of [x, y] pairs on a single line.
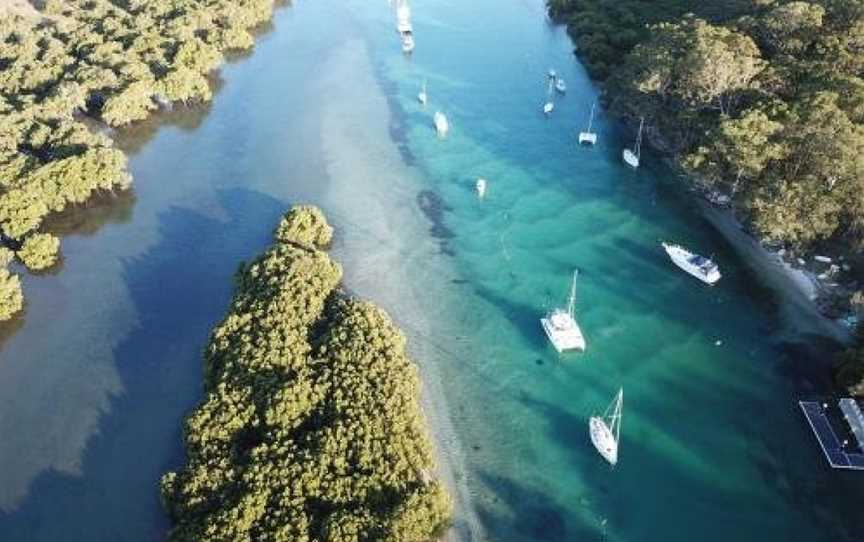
[[702, 262]]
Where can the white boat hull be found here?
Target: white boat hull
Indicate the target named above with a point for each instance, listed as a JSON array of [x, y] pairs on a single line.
[[603, 440], [630, 158], [564, 338], [422, 98], [587, 138], [481, 188], [442, 126], [548, 108], [680, 257]]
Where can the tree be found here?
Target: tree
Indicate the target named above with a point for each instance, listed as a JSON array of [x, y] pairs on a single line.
[[39, 251], [11, 298]]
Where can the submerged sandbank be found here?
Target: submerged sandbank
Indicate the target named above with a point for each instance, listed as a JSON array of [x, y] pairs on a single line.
[[383, 242]]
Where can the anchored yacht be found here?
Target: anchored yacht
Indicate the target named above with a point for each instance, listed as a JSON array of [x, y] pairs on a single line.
[[442, 126], [606, 429], [699, 266], [561, 327]]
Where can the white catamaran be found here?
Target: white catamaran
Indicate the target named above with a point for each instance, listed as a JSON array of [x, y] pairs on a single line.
[[549, 105], [606, 429], [699, 266], [588, 137], [631, 157], [561, 327]]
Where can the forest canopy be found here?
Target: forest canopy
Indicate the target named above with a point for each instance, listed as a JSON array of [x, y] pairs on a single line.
[[762, 100], [311, 427], [75, 66]]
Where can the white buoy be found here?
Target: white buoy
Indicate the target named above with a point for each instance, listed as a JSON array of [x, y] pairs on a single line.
[[481, 188]]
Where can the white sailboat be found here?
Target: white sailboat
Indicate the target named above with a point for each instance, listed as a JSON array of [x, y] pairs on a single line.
[[481, 188], [442, 126], [605, 430], [550, 105], [560, 324], [422, 97], [588, 137], [699, 266], [631, 157]]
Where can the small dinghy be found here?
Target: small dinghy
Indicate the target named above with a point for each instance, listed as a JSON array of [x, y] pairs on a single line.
[[442, 126], [481, 188], [560, 86], [422, 97], [699, 266]]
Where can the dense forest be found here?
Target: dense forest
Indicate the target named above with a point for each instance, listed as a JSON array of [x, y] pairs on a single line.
[[759, 100], [310, 428], [76, 67]]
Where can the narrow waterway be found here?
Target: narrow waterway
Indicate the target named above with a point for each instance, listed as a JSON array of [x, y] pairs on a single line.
[[96, 376]]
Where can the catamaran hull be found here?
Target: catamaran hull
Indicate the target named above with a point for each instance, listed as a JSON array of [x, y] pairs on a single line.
[[587, 138], [563, 341], [603, 440]]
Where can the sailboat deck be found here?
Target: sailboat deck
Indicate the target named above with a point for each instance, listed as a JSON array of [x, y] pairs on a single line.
[[837, 457]]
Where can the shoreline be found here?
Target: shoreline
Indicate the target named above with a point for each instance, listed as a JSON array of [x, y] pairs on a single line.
[[371, 201], [796, 289]]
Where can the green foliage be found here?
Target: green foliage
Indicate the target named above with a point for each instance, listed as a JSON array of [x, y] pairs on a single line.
[[112, 61], [849, 372], [11, 298], [310, 429], [39, 251], [304, 225]]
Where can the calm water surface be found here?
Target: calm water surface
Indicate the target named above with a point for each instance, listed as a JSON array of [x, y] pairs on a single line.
[[95, 379]]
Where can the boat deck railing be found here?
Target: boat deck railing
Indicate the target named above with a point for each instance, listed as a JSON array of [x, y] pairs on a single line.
[[838, 455]]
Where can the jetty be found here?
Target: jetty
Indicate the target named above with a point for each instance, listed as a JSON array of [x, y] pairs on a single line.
[[839, 451]]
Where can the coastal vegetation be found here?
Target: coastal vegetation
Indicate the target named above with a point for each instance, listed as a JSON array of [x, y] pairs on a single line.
[[762, 101], [75, 66], [310, 428]]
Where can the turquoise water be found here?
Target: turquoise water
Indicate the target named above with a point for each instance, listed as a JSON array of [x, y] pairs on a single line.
[[95, 378]]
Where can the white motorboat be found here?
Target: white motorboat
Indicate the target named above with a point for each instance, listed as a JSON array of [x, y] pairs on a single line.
[[699, 266], [560, 86], [605, 430], [588, 137], [422, 97], [442, 126], [561, 327], [403, 17], [631, 157], [481, 188]]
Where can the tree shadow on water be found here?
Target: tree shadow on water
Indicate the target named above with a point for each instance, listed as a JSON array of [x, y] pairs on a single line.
[[180, 288]]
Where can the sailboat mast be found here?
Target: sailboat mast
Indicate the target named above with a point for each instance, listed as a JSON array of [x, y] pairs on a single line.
[[616, 415], [639, 138], [571, 304], [591, 117]]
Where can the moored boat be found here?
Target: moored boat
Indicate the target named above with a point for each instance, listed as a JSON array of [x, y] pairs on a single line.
[[700, 267], [561, 327], [605, 430], [442, 125]]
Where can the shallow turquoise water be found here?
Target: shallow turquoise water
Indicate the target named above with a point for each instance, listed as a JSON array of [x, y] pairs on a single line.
[[96, 377]]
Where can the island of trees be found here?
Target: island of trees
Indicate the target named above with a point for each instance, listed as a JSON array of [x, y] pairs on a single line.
[[310, 428], [75, 66], [760, 100]]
